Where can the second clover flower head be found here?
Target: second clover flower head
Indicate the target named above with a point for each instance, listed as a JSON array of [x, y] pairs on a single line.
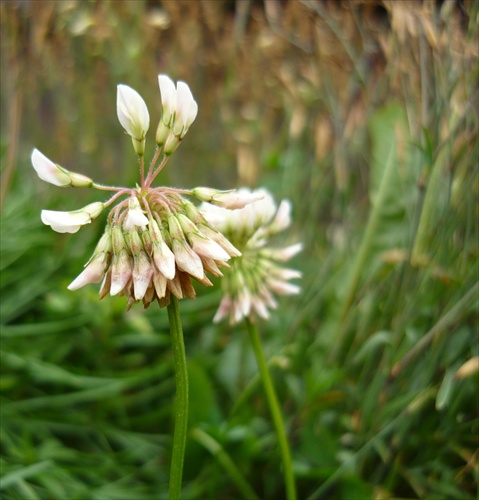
[[155, 239], [254, 277]]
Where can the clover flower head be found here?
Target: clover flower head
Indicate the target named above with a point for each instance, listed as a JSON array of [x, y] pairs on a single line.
[[155, 239], [254, 277]]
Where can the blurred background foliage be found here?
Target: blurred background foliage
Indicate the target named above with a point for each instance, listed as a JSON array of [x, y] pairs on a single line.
[[364, 114]]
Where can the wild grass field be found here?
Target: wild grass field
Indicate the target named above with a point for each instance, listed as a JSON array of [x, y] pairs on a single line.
[[364, 114]]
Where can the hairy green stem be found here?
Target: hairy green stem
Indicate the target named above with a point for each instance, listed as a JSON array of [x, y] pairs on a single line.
[[275, 410], [181, 403]]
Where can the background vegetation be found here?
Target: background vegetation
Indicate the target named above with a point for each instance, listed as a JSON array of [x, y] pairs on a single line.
[[364, 114]]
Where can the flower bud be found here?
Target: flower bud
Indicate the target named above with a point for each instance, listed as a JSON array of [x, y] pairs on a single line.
[[202, 245], [231, 199], [171, 144], [121, 271], [162, 255], [93, 272], [168, 99], [56, 175], [186, 110], [142, 273], [134, 242], [133, 116], [186, 259]]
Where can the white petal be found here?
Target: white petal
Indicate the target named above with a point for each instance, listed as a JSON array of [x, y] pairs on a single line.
[[187, 260], [121, 272], [93, 273], [65, 222], [48, 171], [164, 260], [283, 288], [184, 101], [223, 309], [142, 273], [132, 112], [168, 97], [207, 248]]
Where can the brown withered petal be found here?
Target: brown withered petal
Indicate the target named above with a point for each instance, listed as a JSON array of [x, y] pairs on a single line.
[[186, 286], [174, 286]]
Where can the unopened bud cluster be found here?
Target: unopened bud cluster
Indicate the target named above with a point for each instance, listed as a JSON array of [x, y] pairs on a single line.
[[155, 240], [252, 280]]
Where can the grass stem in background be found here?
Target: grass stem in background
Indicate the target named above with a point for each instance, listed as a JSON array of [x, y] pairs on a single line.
[[226, 462], [275, 411], [181, 403], [364, 250]]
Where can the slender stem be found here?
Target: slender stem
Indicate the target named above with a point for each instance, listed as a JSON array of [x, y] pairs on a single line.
[[275, 411], [123, 192], [181, 403], [153, 161], [102, 187], [152, 175], [142, 170]]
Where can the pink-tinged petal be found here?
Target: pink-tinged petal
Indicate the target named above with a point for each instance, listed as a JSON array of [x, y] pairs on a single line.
[[93, 272], [283, 254], [223, 309], [142, 273], [207, 248], [236, 313], [260, 308], [283, 288], [231, 200], [187, 260], [245, 300], [286, 274], [159, 281], [164, 260], [267, 297], [48, 171], [121, 272], [282, 219], [217, 237]]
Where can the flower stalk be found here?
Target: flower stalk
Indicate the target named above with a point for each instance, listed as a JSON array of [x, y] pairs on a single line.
[[275, 410], [181, 402]]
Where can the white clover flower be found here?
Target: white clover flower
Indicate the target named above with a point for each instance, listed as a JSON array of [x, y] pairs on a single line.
[[254, 276], [155, 240], [168, 98], [232, 199], [135, 217], [71, 222], [133, 115], [56, 175], [186, 109], [179, 111]]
